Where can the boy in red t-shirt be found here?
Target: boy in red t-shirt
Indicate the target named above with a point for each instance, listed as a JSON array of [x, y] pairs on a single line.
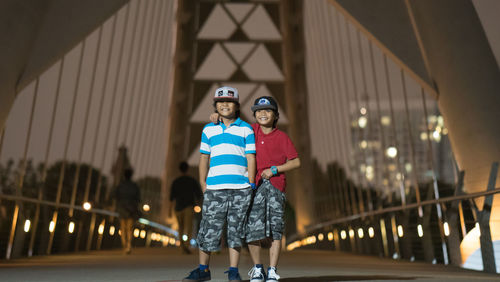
[[275, 154]]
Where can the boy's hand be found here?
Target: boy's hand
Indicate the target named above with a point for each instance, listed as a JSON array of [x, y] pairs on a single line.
[[214, 118], [266, 174]]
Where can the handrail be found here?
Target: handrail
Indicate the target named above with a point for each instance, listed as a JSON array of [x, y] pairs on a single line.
[[395, 209], [92, 210]]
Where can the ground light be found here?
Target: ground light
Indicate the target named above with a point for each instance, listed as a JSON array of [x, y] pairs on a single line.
[[71, 227], [446, 228], [52, 226], [400, 231], [371, 232], [27, 225], [420, 231], [100, 230], [361, 233]]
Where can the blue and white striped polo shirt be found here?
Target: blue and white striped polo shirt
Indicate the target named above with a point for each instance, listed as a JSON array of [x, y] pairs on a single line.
[[227, 148]]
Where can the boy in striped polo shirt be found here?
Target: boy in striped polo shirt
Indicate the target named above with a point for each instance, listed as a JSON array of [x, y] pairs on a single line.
[[227, 177]]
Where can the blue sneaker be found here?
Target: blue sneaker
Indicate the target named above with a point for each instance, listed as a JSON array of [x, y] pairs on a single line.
[[198, 275], [257, 274], [233, 276]]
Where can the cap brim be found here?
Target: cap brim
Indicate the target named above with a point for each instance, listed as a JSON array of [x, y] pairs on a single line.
[[263, 107], [222, 99]]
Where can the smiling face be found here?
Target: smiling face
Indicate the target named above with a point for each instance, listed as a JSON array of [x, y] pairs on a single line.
[[265, 117], [226, 109]]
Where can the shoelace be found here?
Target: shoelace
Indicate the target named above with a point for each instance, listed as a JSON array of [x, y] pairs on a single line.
[[255, 271]]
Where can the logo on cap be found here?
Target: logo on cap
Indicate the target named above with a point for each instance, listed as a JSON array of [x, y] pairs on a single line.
[[263, 101]]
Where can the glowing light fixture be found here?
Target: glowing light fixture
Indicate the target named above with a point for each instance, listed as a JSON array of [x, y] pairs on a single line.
[[100, 230], [362, 110], [136, 232], [146, 207], [71, 227], [52, 226], [446, 229], [112, 230], [371, 232], [385, 120], [321, 236], [361, 233], [362, 122], [143, 234], [351, 233], [343, 234], [330, 236], [420, 230], [400, 231], [87, 206], [197, 209], [184, 237], [27, 225], [391, 152]]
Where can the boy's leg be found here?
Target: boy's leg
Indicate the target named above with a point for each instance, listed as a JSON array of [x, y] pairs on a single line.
[[254, 248], [274, 253], [204, 257], [234, 257]]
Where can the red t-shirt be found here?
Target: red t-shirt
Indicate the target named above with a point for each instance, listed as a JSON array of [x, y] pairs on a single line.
[[275, 149]]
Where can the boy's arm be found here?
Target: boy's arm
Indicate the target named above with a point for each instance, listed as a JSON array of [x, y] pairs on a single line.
[[289, 165], [203, 170], [252, 167]]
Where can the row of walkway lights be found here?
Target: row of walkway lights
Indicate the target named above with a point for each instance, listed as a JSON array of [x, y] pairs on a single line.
[[361, 234]]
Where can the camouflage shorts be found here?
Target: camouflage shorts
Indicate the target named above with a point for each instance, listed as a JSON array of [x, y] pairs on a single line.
[[266, 214], [219, 207]]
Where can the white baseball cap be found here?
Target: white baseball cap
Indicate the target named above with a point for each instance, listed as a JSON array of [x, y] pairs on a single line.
[[226, 93]]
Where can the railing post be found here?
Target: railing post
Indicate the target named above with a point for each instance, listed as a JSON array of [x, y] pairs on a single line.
[[452, 215], [483, 218], [427, 245]]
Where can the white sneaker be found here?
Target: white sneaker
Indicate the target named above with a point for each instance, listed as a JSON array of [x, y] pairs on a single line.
[[272, 275], [257, 274]]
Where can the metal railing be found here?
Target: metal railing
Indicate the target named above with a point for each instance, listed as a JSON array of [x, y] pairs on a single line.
[[147, 233], [384, 240]]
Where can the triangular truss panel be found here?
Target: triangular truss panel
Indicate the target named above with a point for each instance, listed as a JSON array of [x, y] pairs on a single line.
[[239, 11], [260, 26], [219, 25]]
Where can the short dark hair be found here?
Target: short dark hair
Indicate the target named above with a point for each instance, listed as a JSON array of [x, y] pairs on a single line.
[[183, 167], [237, 114], [127, 173]]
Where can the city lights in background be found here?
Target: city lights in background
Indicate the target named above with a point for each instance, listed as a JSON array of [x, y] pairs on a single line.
[[143, 234], [391, 152], [330, 236], [362, 122], [351, 233], [197, 209], [343, 234], [184, 237], [146, 207], [111, 230], [136, 232], [87, 206], [27, 225], [363, 111]]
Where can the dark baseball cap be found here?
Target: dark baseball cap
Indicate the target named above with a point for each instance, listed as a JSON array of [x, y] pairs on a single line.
[[265, 102]]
